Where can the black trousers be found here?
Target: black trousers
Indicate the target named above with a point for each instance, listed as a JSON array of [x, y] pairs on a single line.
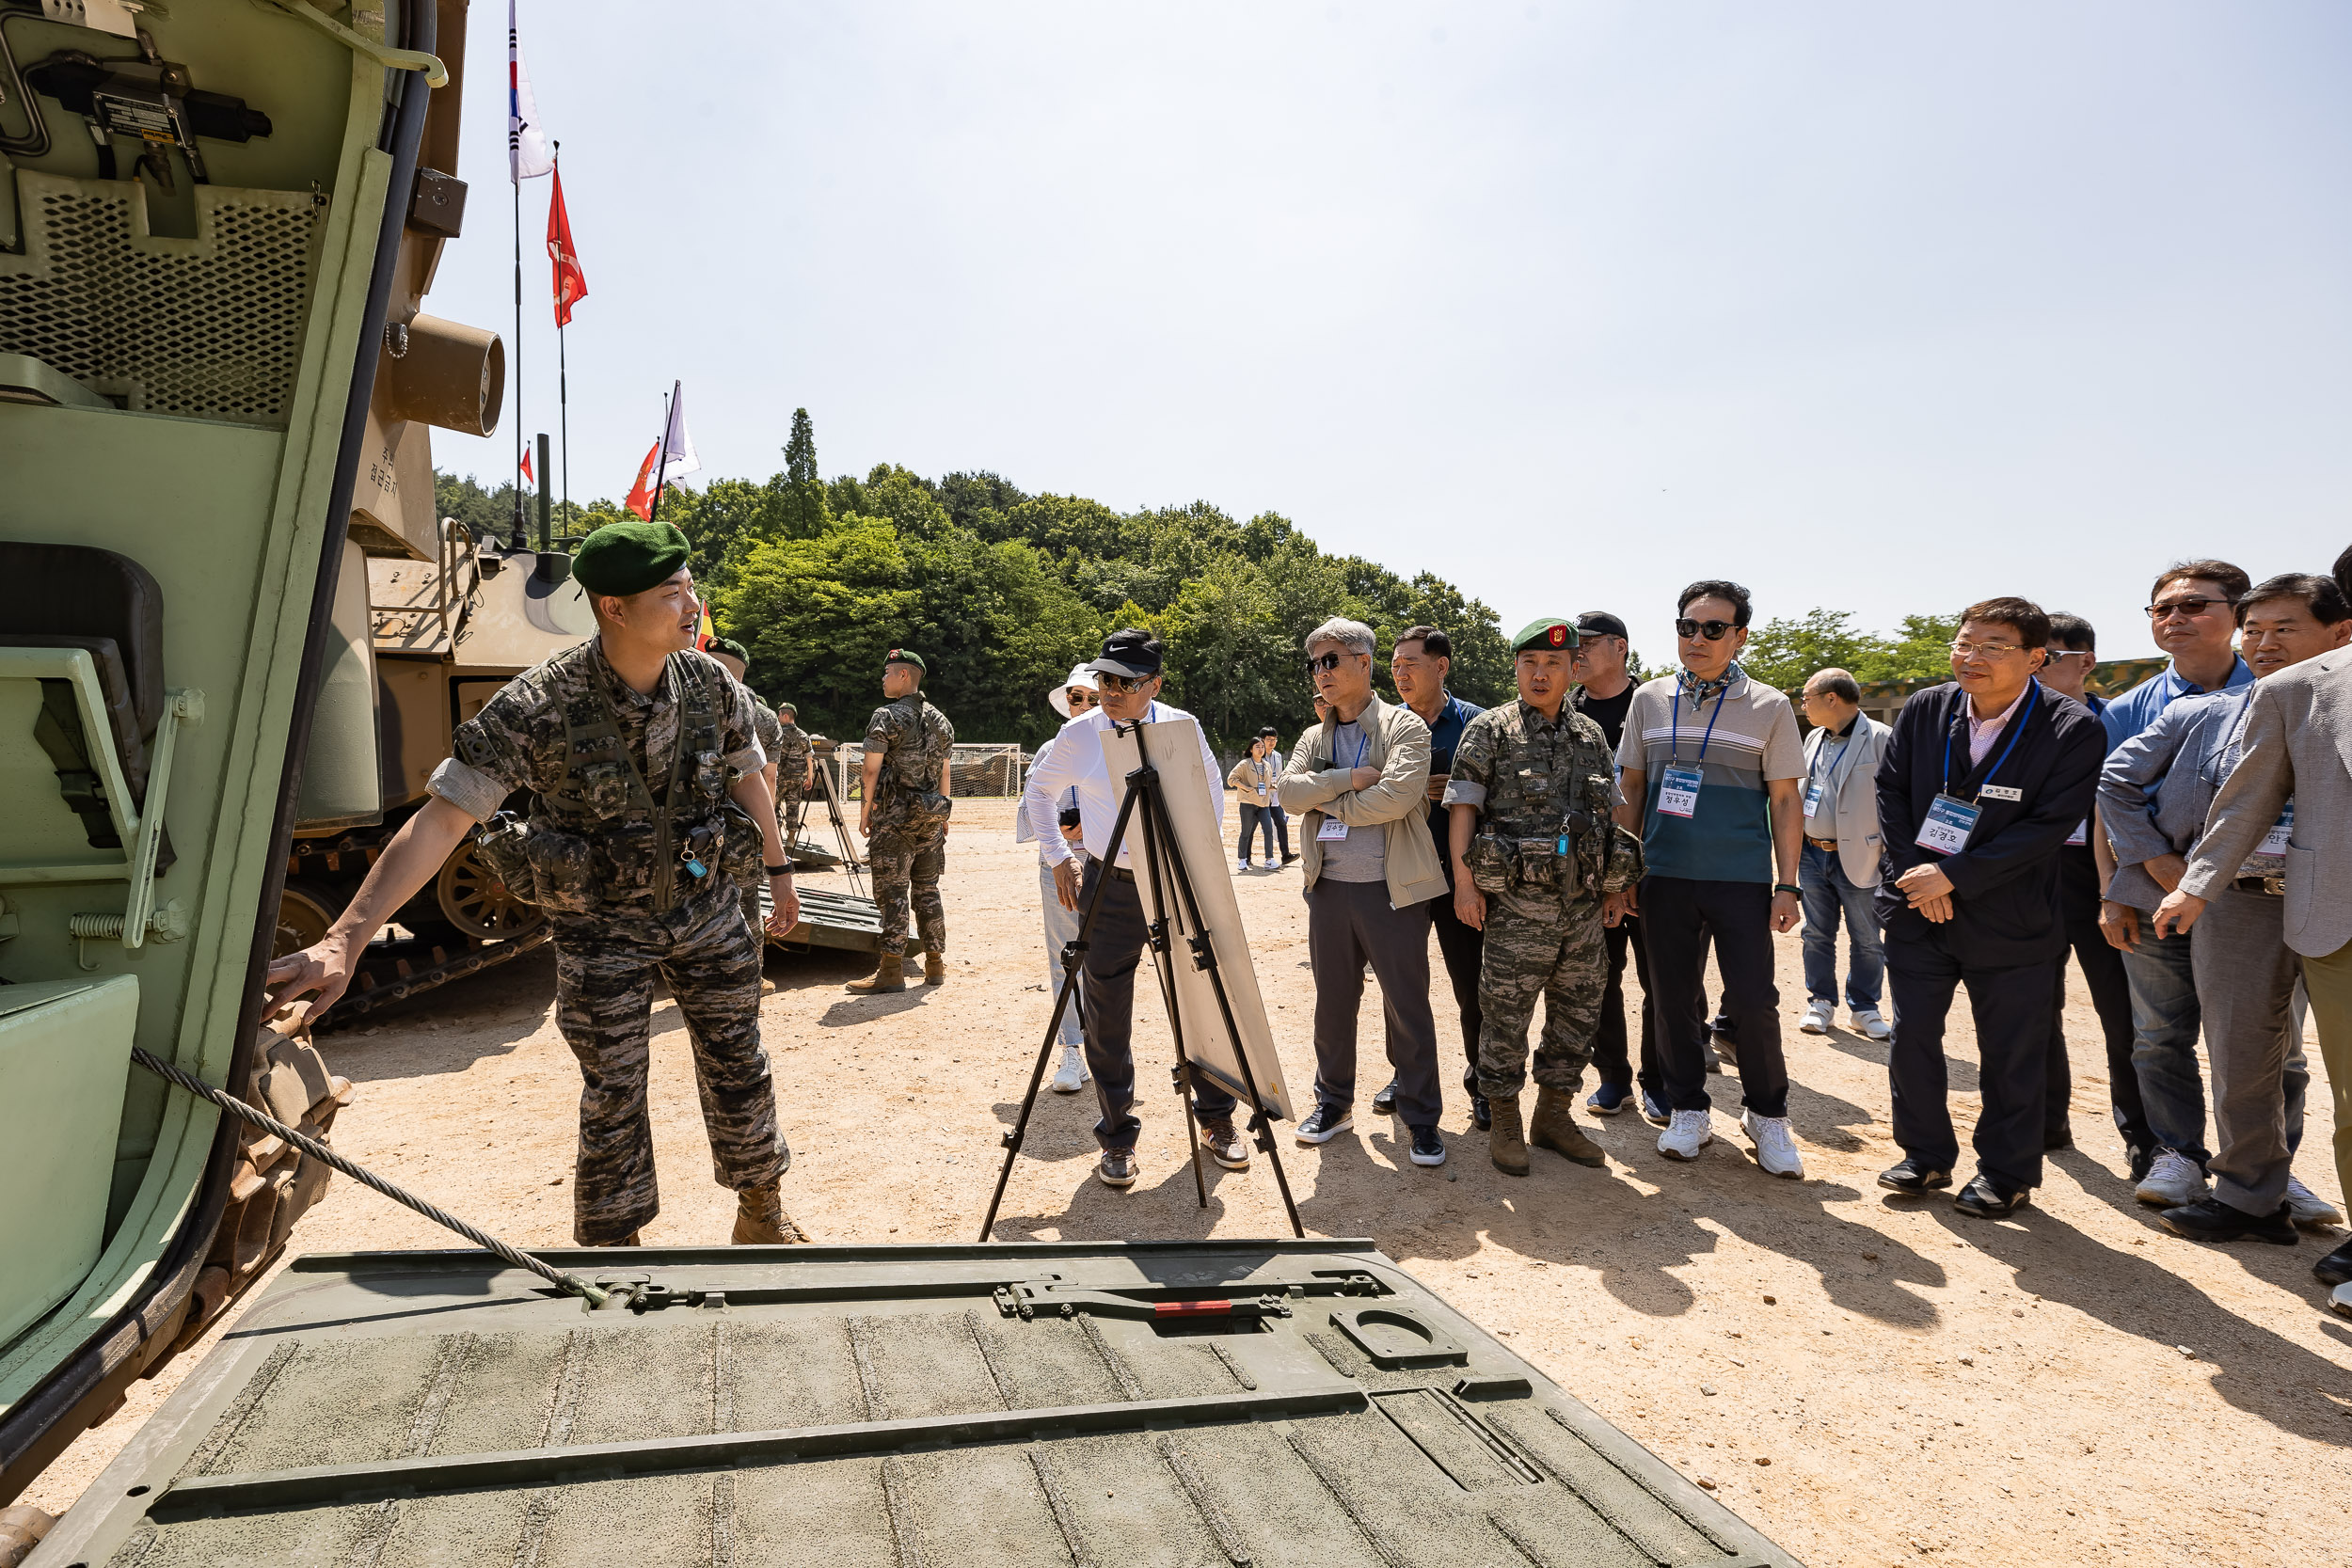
[[1463, 949], [1610, 1045], [2111, 997], [1348, 925], [2011, 1012], [1678, 916], [1108, 996]]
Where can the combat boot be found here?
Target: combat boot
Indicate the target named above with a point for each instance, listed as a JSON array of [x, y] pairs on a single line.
[[1553, 1128], [889, 975], [934, 969], [1504, 1140], [760, 1219]]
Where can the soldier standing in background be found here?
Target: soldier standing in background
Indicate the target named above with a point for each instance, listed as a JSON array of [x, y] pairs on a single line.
[[734, 660], [796, 773], [1532, 798], [902, 815], [650, 808]]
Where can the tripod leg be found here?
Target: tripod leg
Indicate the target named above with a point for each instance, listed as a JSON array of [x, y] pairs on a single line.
[[1192, 1134], [1163, 961]]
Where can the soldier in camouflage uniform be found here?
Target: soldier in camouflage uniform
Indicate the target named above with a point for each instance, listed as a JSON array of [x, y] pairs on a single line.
[[735, 660], [903, 819], [796, 771], [1530, 801], [644, 770]]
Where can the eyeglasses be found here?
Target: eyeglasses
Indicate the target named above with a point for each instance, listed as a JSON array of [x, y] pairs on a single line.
[[2085, 653], [1983, 649], [1078, 696], [2195, 604], [1712, 630], [1123, 683], [1325, 662]]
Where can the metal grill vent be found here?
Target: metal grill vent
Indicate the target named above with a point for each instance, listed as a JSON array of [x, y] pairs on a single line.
[[210, 328]]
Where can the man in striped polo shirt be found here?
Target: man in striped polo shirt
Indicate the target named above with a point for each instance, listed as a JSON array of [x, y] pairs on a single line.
[[1710, 763]]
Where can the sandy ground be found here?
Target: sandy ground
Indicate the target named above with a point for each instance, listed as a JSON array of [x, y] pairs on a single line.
[[1869, 1379]]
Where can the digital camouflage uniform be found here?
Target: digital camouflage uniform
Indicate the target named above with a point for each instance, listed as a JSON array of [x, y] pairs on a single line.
[[907, 847], [770, 729], [1543, 780], [605, 852], [792, 760]]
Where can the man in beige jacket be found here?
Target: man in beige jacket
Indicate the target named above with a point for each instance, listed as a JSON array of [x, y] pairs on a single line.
[[1361, 778]]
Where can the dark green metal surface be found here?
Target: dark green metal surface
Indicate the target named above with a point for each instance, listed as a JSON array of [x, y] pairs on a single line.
[[1178, 1404]]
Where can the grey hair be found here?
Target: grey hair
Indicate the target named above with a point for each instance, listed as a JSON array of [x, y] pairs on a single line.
[[1353, 636]]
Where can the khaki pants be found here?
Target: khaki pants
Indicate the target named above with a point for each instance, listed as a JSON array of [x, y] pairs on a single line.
[[2329, 983]]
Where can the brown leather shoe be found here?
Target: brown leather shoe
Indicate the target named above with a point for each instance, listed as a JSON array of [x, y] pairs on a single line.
[[1504, 1139], [889, 975], [760, 1219], [934, 969], [1555, 1128]]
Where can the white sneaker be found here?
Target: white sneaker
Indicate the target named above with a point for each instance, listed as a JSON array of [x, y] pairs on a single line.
[[2173, 1181], [2340, 1299], [1817, 1017], [1684, 1136], [2305, 1207], [1870, 1024], [1775, 1146], [1072, 1075]]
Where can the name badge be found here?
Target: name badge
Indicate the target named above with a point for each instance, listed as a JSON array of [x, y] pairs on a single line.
[[2275, 841], [1678, 790], [1813, 798], [2001, 792], [2081, 834], [1332, 828], [1949, 823]]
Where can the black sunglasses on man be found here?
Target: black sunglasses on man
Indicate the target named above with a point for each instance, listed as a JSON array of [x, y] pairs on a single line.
[[1712, 630]]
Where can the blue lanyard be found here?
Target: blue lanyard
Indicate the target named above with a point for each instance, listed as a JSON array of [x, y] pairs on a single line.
[[1674, 736], [2017, 732]]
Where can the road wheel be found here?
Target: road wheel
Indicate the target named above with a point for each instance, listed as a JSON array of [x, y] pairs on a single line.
[[474, 899], [305, 911]]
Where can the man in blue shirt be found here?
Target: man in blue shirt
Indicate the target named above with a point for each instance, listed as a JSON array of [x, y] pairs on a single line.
[[1419, 664], [2193, 617]]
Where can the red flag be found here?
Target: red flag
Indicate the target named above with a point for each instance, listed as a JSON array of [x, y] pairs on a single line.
[[641, 494], [572, 284], [527, 473]]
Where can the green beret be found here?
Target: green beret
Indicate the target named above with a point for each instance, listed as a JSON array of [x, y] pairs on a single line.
[[628, 558], [907, 656], [729, 646], [792, 708], [1552, 631]]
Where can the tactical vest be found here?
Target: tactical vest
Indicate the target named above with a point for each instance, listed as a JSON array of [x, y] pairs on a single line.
[[599, 841], [1548, 824], [906, 796]]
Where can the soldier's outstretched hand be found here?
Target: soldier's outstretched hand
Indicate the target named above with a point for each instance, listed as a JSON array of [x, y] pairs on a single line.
[[322, 971]]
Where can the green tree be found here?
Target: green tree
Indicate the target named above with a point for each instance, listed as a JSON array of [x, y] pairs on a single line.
[[818, 616], [801, 511], [1785, 653]]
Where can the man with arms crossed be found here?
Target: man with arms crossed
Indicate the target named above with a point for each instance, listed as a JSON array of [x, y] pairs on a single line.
[[1979, 787], [1710, 764], [640, 752], [1127, 684]]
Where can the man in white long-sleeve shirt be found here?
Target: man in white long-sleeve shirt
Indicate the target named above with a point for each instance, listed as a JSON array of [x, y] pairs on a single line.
[[1128, 676]]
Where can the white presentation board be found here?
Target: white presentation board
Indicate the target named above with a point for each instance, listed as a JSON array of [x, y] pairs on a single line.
[[1173, 747]]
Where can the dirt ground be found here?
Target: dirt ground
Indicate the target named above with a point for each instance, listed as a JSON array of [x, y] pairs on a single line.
[[1869, 1379]]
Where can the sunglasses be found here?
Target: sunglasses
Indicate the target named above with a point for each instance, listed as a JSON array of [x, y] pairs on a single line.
[[1323, 661], [1078, 696], [1712, 630], [1123, 683], [2194, 606]]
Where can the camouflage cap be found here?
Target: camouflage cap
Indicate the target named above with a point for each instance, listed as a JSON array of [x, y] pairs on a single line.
[[622, 558], [1552, 631], [906, 656]]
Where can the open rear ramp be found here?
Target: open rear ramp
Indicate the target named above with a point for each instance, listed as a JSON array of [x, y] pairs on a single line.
[[1036, 1404]]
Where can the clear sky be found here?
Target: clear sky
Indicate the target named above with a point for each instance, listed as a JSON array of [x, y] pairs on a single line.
[[1877, 308]]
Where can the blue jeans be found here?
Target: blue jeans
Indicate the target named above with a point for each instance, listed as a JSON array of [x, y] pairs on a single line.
[[2166, 1021], [1826, 892]]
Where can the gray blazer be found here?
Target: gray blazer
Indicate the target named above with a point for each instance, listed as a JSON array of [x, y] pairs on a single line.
[[2297, 745], [1852, 787]]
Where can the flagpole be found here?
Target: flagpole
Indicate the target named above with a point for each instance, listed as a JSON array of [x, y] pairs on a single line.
[[518, 362], [661, 462], [564, 381]]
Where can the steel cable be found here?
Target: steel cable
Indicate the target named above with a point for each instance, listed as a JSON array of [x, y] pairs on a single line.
[[319, 1152]]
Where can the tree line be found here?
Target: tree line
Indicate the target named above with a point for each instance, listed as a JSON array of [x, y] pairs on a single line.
[[1002, 591]]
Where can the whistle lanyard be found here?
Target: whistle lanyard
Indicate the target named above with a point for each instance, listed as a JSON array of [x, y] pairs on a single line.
[[1674, 736], [2017, 732]]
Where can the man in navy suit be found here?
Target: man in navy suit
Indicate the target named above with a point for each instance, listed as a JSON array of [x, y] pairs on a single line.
[[1979, 789]]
